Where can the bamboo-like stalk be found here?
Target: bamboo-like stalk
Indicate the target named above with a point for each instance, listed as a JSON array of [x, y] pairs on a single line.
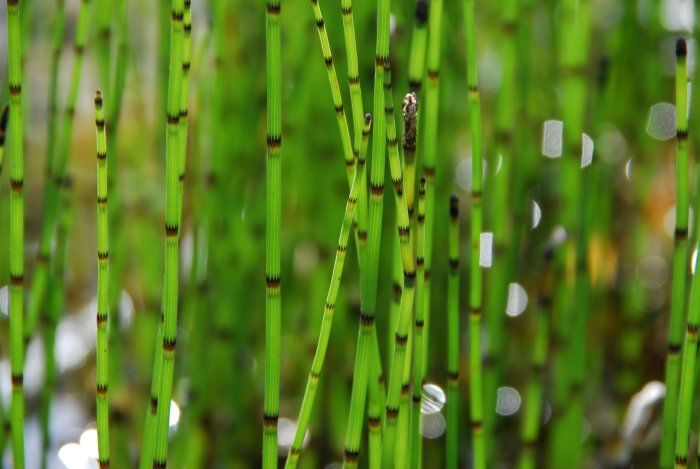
[[398, 363], [367, 350], [172, 238], [3, 127], [430, 135], [577, 222], [416, 69], [16, 241], [690, 349], [680, 258], [358, 124], [419, 331], [476, 389], [103, 23], [335, 91], [419, 40], [57, 171], [273, 303], [118, 264], [415, 75], [56, 304], [534, 397], [55, 299], [102, 286], [59, 29], [452, 445], [184, 101], [328, 309], [353, 74], [410, 110], [500, 272]]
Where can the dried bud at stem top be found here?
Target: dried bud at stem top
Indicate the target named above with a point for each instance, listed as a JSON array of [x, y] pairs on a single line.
[[681, 47]]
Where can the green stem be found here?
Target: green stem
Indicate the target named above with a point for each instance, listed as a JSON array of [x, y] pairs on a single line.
[[534, 397], [16, 244], [367, 350], [452, 445], [102, 288], [273, 303], [172, 238], [680, 258], [475, 289], [57, 173], [328, 309], [398, 384]]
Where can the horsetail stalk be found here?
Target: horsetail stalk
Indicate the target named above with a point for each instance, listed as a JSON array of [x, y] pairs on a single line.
[[172, 238], [688, 366], [410, 109], [103, 20], [575, 115], [403, 327], [416, 69], [432, 104], [452, 445], [102, 287], [353, 74], [146, 459], [416, 66], [58, 35], [375, 375], [57, 171], [335, 91], [501, 270], [358, 125], [16, 298], [415, 76], [273, 299], [680, 256], [476, 389], [367, 350], [56, 304], [184, 101], [377, 397], [419, 342], [532, 413], [328, 309], [350, 154]]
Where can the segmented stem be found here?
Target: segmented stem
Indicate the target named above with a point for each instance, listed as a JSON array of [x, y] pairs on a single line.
[[16, 300], [102, 287], [680, 258], [55, 307], [475, 289], [172, 237], [419, 341], [534, 397], [416, 69], [367, 350], [688, 365], [431, 119], [59, 29], [328, 309], [452, 446], [184, 101], [273, 301], [501, 270], [335, 90], [56, 175], [397, 378]]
